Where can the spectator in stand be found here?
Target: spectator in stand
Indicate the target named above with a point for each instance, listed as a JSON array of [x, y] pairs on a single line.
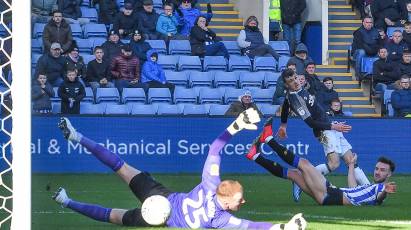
[[57, 30], [71, 11], [300, 59], [98, 71], [396, 47], [125, 69], [406, 34], [204, 42], [137, 5], [291, 11], [126, 22], [405, 8], [279, 94], [401, 99], [140, 46], [405, 65], [112, 47], [328, 94], [314, 85], [176, 3], [71, 92], [75, 61], [148, 21], [52, 64], [153, 74], [107, 11], [383, 36], [41, 92], [386, 13], [42, 9], [168, 23], [251, 40], [189, 16], [385, 71], [244, 102], [366, 41], [274, 14], [335, 109]]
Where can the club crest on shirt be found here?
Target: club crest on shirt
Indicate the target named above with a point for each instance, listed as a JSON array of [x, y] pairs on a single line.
[[301, 111]]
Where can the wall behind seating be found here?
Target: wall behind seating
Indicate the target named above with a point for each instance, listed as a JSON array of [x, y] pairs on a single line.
[[173, 145]]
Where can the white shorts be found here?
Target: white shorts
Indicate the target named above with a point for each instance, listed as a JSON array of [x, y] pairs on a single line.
[[334, 141]]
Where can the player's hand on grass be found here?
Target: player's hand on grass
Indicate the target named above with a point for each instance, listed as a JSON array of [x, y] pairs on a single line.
[[390, 187], [246, 120], [282, 132], [341, 127]]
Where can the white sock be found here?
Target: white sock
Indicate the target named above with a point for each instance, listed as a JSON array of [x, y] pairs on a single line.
[[323, 169], [255, 156], [360, 176], [268, 139]]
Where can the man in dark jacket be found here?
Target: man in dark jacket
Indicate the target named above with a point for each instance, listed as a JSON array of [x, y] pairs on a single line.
[[300, 59], [279, 94], [328, 94], [244, 102], [405, 65], [291, 11], [386, 13], [314, 85], [52, 64], [75, 61], [71, 92], [148, 21], [69, 8], [98, 71], [108, 10], [57, 30], [396, 47], [401, 99], [126, 22], [112, 47], [41, 92], [204, 42], [385, 72], [139, 46]]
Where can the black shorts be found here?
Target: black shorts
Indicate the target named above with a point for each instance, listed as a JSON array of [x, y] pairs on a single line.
[[334, 195], [143, 186]]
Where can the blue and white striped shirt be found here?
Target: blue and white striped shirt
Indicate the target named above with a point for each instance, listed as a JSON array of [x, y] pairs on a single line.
[[364, 194]]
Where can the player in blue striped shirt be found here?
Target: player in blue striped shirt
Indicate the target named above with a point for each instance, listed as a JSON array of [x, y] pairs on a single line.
[[314, 183]]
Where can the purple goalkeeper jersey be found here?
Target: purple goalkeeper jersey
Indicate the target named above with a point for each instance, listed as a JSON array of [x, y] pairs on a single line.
[[199, 208]]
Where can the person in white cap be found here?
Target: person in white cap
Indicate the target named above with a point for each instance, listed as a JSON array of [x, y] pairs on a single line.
[[244, 102]]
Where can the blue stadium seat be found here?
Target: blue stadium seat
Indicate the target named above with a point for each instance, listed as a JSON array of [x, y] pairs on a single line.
[[367, 64], [90, 13], [56, 97], [168, 62], [38, 29], [253, 79], [95, 30], [87, 58], [85, 3], [268, 110], [76, 31], [232, 47], [36, 46], [281, 47], [133, 95], [87, 108], [209, 95], [189, 63], [34, 59], [183, 95], [195, 110], [197, 89], [56, 108], [177, 78], [270, 79], [282, 63], [120, 3], [89, 95], [225, 79], [263, 95], [265, 64], [218, 110], [390, 30], [113, 109], [140, 109], [159, 95], [158, 4], [201, 79], [182, 47], [85, 46], [215, 63], [166, 109], [158, 45], [107, 95], [232, 95], [239, 63], [97, 41]]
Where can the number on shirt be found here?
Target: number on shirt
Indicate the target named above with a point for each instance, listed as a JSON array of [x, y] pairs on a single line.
[[198, 213]]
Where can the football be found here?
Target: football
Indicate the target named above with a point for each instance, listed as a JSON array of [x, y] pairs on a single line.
[[156, 210]]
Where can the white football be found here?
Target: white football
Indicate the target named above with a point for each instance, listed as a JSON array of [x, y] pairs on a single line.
[[156, 210]]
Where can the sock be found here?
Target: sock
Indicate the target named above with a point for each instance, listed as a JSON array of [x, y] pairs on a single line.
[[108, 158], [273, 167], [360, 176], [90, 210], [282, 152], [323, 169]]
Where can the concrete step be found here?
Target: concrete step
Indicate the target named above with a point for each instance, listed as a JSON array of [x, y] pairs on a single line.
[[331, 68], [355, 100], [218, 6], [228, 36], [367, 115], [226, 22], [345, 84], [350, 94], [358, 111], [224, 14], [337, 53], [340, 62], [338, 47], [341, 16], [339, 8], [341, 30], [339, 39], [226, 31]]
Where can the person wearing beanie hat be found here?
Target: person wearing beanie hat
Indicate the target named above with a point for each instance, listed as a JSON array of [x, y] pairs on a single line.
[[300, 58], [244, 102], [76, 62], [139, 46], [126, 21], [148, 21], [112, 47]]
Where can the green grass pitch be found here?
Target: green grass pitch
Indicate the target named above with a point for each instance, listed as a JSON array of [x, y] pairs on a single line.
[[267, 199]]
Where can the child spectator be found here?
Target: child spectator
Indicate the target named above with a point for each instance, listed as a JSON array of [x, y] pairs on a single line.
[[71, 92], [125, 23], [396, 47], [112, 47], [41, 92], [75, 61], [98, 71], [140, 46], [57, 30], [148, 21], [189, 16], [153, 74], [167, 24], [52, 64], [244, 102], [401, 99], [335, 109], [328, 95]]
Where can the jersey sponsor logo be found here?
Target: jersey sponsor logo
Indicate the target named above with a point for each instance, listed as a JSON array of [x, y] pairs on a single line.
[[301, 111]]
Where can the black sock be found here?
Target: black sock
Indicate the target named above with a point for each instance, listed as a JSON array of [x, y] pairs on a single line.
[[287, 155], [271, 166]]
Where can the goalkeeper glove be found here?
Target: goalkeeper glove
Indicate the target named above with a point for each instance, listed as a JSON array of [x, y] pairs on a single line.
[[246, 120], [296, 223]]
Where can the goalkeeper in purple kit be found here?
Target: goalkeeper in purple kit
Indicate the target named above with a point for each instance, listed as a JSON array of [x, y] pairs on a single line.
[[208, 205]]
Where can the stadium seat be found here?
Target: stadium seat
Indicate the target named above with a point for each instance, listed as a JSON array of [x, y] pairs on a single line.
[[38, 29], [97, 41], [281, 47], [56, 97], [225, 79], [120, 3], [232, 47], [168, 62], [239, 63], [90, 13], [387, 96], [265, 64], [85, 46], [263, 95], [367, 64], [214, 63], [232, 95], [158, 45], [189, 63], [140, 109], [113, 109], [76, 31], [95, 30], [269, 110], [209, 95], [390, 30], [282, 63], [270, 79], [201, 79], [218, 110], [195, 110], [177, 78], [56, 108], [87, 108], [34, 59], [89, 95], [183, 95], [159, 95], [85, 3], [181, 47], [166, 109], [87, 58], [158, 4], [107, 95], [36, 46], [253, 79], [133, 95]]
